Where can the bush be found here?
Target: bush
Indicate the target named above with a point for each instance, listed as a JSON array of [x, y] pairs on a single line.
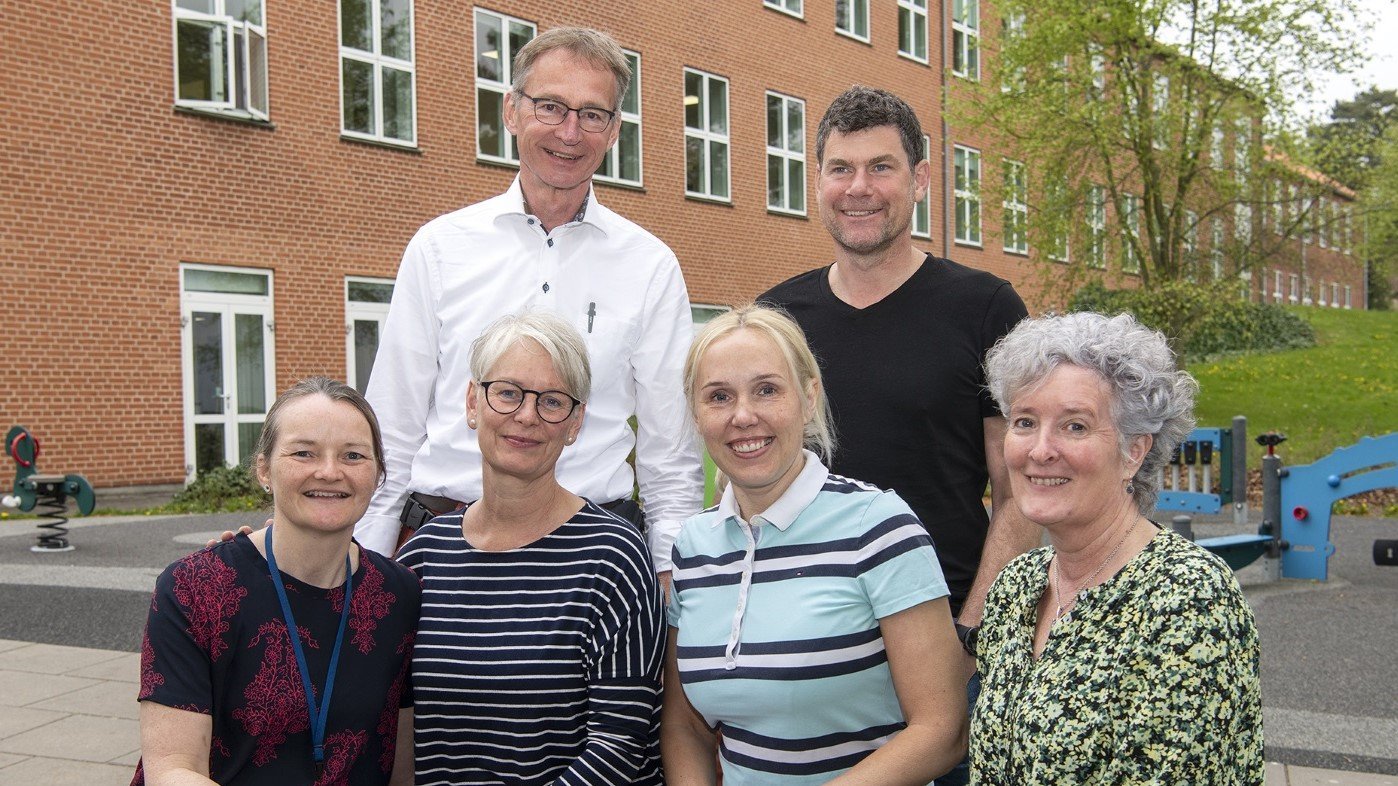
[[221, 489], [1201, 319]]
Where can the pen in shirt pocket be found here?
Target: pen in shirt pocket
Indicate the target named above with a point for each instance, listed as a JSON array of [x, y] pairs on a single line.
[[591, 314]]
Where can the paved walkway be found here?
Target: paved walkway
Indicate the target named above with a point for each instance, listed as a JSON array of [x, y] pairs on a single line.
[[68, 716]]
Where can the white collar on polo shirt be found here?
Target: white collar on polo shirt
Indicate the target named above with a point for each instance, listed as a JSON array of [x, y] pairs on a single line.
[[797, 497]]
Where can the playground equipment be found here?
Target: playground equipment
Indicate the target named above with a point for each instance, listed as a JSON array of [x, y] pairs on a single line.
[[1307, 492], [1296, 501], [49, 493]]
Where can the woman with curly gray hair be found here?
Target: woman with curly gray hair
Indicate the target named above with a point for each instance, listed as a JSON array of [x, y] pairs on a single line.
[[1121, 652]]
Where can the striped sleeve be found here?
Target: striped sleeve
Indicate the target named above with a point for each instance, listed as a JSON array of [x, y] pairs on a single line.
[[623, 669], [897, 565]]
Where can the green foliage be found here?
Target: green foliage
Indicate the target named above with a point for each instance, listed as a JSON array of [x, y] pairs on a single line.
[[218, 490], [1201, 319], [1349, 146], [1323, 397], [1380, 221]]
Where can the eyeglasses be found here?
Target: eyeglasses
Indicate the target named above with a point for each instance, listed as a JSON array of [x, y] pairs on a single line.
[[553, 406], [553, 113]]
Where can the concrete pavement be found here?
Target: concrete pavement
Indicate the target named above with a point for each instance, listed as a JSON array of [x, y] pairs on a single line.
[[70, 630]]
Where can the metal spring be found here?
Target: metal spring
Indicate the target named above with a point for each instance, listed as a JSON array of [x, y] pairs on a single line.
[[53, 535]]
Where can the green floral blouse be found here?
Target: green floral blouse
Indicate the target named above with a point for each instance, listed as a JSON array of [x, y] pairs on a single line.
[[1152, 679]]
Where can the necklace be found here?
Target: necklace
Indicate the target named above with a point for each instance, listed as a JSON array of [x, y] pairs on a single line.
[[1060, 611]]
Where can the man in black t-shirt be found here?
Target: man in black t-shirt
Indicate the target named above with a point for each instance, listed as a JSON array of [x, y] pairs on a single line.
[[901, 336]]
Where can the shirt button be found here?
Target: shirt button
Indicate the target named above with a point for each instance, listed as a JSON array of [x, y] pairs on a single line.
[[550, 242], [531, 222], [546, 286]]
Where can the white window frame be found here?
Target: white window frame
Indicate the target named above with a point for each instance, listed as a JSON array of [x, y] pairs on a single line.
[[496, 86], [609, 171], [1306, 291], [1242, 147], [1334, 294], [1097, 227], [1016, 207], [787, 156], [1055, 198], [1242, 222], [789, 7], [1278, 198], [913, 14], [1323, 223], [361, 311], [966, 39], [232, 304], [1160, 109], [1277, 285], [922, 209], [1216, 146], [854, 8], [379, 61], [1130, 252], [1097, 68], [709, 138], [1216, 247], [1294, 296], [1349, 302], [1320, 293], [242, 87], [1191, 242], [966, 195], [1011, 27]]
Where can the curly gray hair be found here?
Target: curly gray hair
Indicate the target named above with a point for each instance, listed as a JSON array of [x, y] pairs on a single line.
[[1150, 395]]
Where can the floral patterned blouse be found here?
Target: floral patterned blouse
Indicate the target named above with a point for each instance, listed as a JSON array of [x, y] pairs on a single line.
[[1152, 679]]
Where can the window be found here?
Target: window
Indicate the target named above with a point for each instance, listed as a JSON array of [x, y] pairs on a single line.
[[366, 308], [1334, 294], [227, 351], [498, 39], [1295, 288], [786, 154], [852, 18], [376, 70], [1277, 195], [792, 7], [1015, 217], [1277, 285], [1057, 208], [221, 57], [1097, 66], [1320, 293], [912, 29], [967, 164], [1348, 302], [966, 38], [705, 135], [1307, 221], [1191, 243], [622, 164], [922, 209], [1305, 290], [1323, 222], [1216, 146], [1216, 246], [1160, 109], [1097, 227], [1242, 223], [1131, 243], [1242, 155], [1012, 27]]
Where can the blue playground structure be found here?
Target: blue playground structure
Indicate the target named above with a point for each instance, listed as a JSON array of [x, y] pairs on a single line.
[[1209, 472]]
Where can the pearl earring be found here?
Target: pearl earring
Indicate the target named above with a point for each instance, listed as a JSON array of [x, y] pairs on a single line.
[[471, 422]]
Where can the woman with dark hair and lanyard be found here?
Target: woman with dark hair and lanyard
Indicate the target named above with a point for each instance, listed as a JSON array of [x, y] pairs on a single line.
[[228, 693]]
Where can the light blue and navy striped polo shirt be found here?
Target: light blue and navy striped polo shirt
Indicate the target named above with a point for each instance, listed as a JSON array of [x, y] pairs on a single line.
[[778, 624]]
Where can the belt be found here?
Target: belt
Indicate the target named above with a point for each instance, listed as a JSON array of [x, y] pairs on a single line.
[[437, 505]]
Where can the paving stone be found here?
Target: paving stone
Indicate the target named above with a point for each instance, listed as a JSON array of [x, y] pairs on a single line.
[[53, 658], [18, 720], [81, 737], [107, 699], [1305, 776], [61, 772], [1275, 775], [24, 688], [6, 759], [124, 668]]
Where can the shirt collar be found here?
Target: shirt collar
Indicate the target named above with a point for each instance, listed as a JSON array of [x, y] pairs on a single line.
[[518, 204], [797, 497]]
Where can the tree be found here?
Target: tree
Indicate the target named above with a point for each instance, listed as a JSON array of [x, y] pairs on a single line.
[[1380, 236], [1348, 146], [1157, 109]]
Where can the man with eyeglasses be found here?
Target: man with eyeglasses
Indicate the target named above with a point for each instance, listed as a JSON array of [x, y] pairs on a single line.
[[546, 243]]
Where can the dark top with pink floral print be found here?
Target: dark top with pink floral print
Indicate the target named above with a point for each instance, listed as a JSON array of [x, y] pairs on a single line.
[[216, 644]]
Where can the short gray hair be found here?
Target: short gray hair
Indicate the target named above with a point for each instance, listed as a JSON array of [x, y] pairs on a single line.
[[594, 46], [562, 342], [1150, 395]]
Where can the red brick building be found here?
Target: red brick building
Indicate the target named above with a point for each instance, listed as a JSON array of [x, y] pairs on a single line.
[[207, 199]]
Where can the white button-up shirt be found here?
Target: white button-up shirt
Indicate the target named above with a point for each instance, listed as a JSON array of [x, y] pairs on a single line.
[[616, 283]]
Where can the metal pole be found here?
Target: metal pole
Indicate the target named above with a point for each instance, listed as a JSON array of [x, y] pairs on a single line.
[[1271, 513], [1240, 471]]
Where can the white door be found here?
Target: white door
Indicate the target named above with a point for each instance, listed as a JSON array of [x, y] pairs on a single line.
[[366, 308], [229, 379]]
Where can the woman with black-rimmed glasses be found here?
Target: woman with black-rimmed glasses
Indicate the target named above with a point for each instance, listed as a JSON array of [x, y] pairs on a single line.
[[538, 655]]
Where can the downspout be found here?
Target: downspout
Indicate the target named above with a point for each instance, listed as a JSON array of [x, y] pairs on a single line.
[[948, 203]]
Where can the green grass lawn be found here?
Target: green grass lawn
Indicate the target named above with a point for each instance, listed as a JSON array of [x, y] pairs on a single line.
[[1323, 397]]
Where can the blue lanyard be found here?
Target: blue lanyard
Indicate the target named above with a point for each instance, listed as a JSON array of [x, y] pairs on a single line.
[[321, 713]]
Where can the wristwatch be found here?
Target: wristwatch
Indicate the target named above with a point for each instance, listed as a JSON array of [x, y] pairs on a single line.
[[968, 636]]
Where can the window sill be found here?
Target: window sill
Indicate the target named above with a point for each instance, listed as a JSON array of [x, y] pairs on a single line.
[[851, 36], [968, 244], [784, 11], [914, 58], [625, 185], [503, 163], [240, 118], [713, 200], [402, 147], [1014, 252], [774, 211]]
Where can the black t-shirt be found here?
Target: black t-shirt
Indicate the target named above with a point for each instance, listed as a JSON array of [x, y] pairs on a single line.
[[906, 384], [216, 643]]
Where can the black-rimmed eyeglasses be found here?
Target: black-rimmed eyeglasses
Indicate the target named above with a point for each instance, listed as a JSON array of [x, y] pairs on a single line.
[[553, 113], [553, 406]]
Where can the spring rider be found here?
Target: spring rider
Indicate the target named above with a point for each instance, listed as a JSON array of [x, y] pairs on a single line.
[[49, 493]]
